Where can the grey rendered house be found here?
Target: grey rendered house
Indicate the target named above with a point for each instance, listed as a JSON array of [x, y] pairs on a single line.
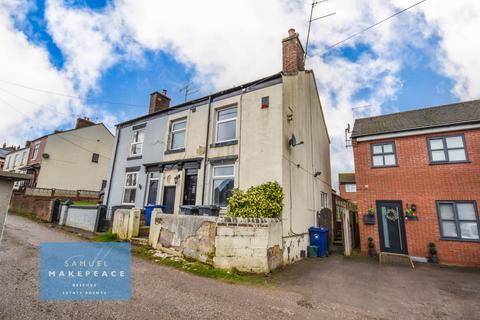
[[270, 129]]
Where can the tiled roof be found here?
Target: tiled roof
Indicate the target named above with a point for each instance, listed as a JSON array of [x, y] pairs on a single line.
[[346, 177], [446, 115]]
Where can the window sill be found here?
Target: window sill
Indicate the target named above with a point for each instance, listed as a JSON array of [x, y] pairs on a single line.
[[223, 144], [448, 162], [134, 157], [460, 240], [174, 151], [382, 167]]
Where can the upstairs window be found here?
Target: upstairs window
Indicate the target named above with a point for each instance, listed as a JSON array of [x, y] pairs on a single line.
[[223, 180], [136, 147], [351, 187], [177, 134], [35, 150], [458, 220], [383, 155], [15, 160], [130, 189], [226, 125], [24, 156], [447, 149]]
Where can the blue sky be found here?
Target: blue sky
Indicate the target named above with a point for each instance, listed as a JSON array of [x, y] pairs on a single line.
[[123, 50]]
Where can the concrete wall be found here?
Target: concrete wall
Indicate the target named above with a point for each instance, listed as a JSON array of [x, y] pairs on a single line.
[[81, 217], [302, 190], [248, 245], [192, 236], [5, 194], [70, 165], [153, 149], [126, 223]]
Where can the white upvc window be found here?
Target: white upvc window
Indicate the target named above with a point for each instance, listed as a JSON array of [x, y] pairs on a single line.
[[24, 156], [226, 125], [15, 159], [177, 134], [136, 147], [8, 162], [130, 188], [350, 187], [35, 151], [223, 179]]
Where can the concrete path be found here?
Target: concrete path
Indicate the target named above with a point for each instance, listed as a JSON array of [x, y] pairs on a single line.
[[333, 288]]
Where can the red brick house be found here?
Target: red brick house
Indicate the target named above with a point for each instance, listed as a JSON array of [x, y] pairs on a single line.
[[428, 160], [348, 186]]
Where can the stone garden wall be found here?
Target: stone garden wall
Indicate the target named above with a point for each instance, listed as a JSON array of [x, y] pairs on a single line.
[[192, 236]]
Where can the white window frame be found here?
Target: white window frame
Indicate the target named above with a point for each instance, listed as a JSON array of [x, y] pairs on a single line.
[[233, 119], [214, 177], [136, 143], [36, 148], [350, 187], [23, 158], [7, 164], [125, 187], [173, 132], [15, 159]]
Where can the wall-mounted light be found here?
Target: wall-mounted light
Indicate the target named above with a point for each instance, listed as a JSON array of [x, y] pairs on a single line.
[[413, 207], [293, 141], [177, 177], [316, 174]]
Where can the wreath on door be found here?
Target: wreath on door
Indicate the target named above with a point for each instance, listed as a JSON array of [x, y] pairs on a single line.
[[391, 215]]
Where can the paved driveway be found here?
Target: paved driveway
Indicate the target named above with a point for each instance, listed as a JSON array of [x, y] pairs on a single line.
[[362, 288], [333, 288]]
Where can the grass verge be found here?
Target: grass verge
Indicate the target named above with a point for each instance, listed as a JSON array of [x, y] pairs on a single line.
[[201, 269], [106, 237]]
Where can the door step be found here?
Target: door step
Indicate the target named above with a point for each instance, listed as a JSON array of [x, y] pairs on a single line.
[[139, 241], [144, 232]]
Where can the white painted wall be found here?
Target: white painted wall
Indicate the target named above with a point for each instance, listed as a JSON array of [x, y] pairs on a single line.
[[70, 163], [85, 218]]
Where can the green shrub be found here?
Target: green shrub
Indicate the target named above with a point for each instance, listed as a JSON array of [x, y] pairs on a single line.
[[263, 201]]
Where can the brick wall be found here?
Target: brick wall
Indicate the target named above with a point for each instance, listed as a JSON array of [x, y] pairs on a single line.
[[352, 196], [416, 181], [39, 206]]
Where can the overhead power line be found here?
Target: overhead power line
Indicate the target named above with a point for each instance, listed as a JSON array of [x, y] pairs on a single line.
[[72, 96], [372, 26]]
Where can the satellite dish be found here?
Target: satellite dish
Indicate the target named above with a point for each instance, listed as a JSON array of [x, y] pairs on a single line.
[[293, 141]]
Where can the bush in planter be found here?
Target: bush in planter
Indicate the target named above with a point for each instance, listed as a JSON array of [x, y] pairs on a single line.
[[371, 247], [263, 201], [432, 252], [371, 211]]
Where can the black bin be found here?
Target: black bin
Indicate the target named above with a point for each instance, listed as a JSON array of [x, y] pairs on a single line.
[[209, 210], [189, 210]]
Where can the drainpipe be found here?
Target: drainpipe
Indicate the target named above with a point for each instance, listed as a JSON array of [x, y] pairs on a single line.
[[206, 149], [240, 136], [113, 168]]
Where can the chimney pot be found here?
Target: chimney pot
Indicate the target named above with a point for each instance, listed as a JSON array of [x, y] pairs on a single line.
[[164, 91], [291, 32]]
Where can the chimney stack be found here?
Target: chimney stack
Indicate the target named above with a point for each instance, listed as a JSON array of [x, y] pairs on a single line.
[[293, 54], [83, 123], [159, 101]]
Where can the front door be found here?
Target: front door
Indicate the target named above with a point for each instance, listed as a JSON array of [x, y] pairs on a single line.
[[152, 191], [190, 188], [391, 226], [169, 199]]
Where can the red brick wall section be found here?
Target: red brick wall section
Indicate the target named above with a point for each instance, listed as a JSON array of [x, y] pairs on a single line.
[[416, 181], [40, 206], [352, 196]]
